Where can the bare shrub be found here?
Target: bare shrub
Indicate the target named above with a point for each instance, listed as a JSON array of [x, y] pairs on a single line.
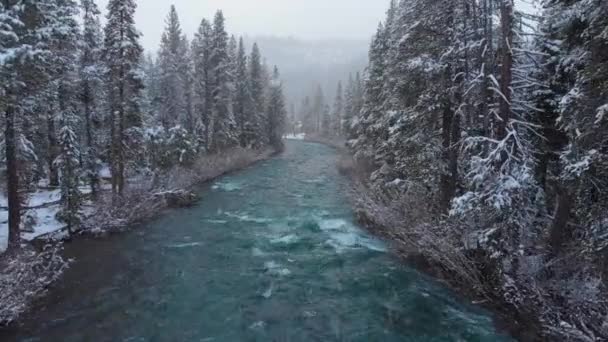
[[25, 276], [147, 197]]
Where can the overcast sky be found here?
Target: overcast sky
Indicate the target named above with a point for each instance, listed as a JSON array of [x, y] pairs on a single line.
[[314, 19]]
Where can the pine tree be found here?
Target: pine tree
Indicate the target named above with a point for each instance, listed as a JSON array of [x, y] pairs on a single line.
[[173, 104], [223, 124], [201, 51], [26, 35], [338, 111], [122, 54], [91, 70], [69, 163], [258, 96], [243, 103], [277, 113], [65, 55]]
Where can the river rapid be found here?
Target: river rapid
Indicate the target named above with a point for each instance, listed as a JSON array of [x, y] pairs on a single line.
[[270, 253]]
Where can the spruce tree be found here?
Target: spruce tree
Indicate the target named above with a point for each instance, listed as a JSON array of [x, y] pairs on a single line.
[[338, 111], [277, 113], [243, 103], [201, 55], [223, 125], [122, 55], [258, 96], [91, 70], [170, 55]]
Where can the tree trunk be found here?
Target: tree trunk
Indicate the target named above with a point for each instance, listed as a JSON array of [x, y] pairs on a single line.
[[448, 188], [559, 229], [506, 73], [52, 141], [12, 179], [93, 181]]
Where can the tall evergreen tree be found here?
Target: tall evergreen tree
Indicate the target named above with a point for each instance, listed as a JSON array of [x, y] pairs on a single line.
[[243, 103], [277, 113], [170, 57], [201, 54], [91, 70], [223, 125], [122, 54], [258, 95], [338, 111]]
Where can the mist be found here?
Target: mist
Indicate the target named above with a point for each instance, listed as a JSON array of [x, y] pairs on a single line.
[[304, 19]]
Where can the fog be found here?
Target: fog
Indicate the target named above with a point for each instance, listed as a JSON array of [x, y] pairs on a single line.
[[308, 19]]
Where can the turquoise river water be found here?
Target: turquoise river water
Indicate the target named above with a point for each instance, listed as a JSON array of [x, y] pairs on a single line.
[[270, 253]]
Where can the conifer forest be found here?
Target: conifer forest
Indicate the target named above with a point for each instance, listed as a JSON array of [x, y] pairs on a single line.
[[442, 178]]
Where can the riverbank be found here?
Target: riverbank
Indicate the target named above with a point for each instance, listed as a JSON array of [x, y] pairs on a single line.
[[418, 242], [26, 274], [268, 253]]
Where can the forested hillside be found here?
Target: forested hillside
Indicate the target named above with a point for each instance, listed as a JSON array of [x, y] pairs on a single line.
[[82, 103], [483, 139]]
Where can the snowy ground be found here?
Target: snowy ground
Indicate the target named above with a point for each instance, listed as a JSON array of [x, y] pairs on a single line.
[[44, 206], [300, 136]]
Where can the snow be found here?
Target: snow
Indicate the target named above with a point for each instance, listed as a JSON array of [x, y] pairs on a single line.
[[46, 222], [602, 112], [300, 136], [3, 231], [105, 172], [46, 206]]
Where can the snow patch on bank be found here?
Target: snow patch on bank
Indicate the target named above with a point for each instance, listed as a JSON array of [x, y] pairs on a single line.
[[300, 136], [44, 206]]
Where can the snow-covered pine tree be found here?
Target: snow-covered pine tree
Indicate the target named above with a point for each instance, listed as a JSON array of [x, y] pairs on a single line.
[[338, 111], [243, 103], [224, 125], [170, 57], [68, 162], [258, 96], [201, 55], [576, 105], [26, 27], [64, 47], [318, 110], [122, 55], [91, 71], [188, 118], [277, 113]]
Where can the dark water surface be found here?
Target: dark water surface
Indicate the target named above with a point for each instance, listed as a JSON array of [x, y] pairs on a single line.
[[271, 253]]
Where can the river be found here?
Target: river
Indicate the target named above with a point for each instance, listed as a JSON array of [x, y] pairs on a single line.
[[270, 253]]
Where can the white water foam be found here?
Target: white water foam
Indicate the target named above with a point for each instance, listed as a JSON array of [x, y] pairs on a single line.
[[227, 186], [286, 240], [276, 269], [247, 218], [186, 245], [344, 235]]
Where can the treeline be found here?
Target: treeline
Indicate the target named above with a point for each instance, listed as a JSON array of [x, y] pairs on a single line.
[[77, 97], [486, 129], [320, 116]]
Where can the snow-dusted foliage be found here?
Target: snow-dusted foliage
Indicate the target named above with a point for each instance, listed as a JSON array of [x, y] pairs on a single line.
[[84, 112], [492, 120], [168, 148], [25, 277]]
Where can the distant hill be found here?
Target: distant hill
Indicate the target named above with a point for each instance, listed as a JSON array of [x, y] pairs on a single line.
[[306, 63]]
